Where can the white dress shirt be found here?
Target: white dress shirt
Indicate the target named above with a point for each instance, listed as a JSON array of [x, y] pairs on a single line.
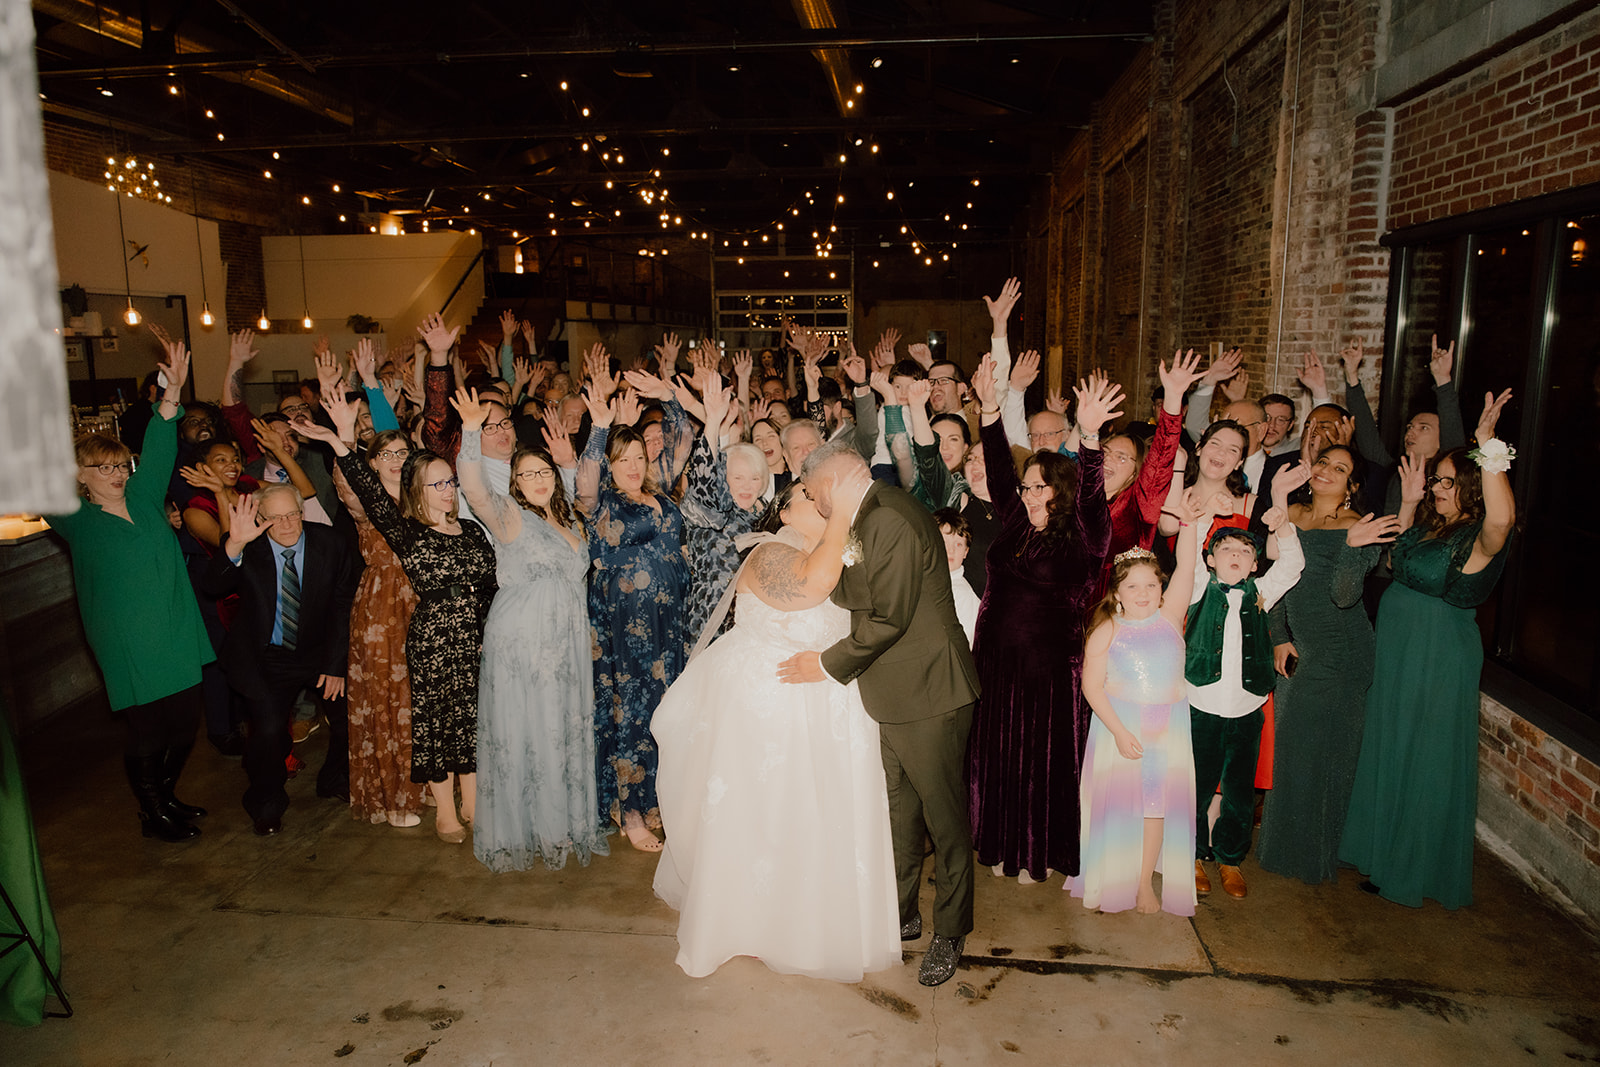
[[1227, 697]]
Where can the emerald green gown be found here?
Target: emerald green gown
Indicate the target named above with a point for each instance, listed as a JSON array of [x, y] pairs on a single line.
[[1415, 801]]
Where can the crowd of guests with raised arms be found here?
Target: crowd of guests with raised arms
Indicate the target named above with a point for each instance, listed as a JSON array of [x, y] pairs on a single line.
[[486, 576]]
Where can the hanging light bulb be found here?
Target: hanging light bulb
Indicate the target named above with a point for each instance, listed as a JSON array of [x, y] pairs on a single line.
[[131, 316], [263, 323]]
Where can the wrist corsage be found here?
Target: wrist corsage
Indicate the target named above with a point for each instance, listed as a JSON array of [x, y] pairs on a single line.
[[1493, 455]]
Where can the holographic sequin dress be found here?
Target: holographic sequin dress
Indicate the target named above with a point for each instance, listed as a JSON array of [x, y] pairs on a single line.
[[1144, 681]]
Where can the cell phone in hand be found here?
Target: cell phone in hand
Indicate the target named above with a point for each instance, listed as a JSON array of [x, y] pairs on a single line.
[[1289, 664]]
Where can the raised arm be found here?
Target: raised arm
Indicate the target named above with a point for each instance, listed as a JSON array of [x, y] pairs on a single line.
[[493, 508], [1452, 430], [791, 580], [1499, 506], [1000, 470], [1098, 401], [592, 463], [1186, 569], [270, 439]]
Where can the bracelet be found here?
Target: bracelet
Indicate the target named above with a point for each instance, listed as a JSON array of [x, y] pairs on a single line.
[[1088, 436]]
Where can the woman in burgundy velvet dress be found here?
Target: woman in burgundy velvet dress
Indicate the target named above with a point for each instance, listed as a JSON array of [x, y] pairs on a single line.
[[1031, 723]]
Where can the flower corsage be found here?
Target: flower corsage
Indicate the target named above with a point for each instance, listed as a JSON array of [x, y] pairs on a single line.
[[853, 552], [1494, 456]]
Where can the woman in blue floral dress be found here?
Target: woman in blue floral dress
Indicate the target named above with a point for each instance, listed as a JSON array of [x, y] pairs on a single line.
[[636, 595]]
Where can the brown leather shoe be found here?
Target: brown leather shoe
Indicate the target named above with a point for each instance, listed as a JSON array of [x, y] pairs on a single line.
[[1202, 883], [1232, 881]]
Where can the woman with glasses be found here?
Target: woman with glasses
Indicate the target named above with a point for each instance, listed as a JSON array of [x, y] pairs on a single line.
[[536, 764], [138, 608], [378, 685], [1415, 800], [452, 569], [1031, 723], [636, 600]]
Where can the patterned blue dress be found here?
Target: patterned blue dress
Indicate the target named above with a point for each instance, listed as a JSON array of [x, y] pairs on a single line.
[[639, 636], [712, 520]]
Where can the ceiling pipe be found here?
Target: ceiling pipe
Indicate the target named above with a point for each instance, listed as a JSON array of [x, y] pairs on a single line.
[[835, 62], [127, 30]]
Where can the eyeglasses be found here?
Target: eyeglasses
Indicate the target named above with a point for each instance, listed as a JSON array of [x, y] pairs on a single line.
[[502, 425], [1045, 435], [393, 453], [1249, 425], [1025, 489], [1443, 481], [536, 476], [296, 409], [439, 487], [108, 469], [946, 378], [1108, 456], [285, 517], [1280, 420]]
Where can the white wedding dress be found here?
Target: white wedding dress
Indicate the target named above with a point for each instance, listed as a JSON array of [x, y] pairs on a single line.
[[774, 807]]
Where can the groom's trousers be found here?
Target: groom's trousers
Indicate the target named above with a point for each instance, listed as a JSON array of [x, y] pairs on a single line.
[[925, 765]]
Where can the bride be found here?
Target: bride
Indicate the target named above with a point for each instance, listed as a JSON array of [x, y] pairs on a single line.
[[772, 795]]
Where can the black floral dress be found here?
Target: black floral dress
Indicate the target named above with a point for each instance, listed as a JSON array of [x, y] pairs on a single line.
[[712, 521], [454, 577]]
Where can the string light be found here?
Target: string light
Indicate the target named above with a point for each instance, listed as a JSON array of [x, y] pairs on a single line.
[[263, 322]]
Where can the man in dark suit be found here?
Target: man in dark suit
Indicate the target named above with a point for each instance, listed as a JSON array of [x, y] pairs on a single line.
[[292, 631], [917, 679]]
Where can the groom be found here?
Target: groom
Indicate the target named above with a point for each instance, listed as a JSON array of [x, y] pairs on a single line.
[[917, 680]]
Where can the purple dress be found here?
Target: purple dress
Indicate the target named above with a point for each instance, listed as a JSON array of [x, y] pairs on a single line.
[[1031, 723]]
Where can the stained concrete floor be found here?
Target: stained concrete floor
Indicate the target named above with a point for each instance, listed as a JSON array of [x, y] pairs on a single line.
[[350, 944]]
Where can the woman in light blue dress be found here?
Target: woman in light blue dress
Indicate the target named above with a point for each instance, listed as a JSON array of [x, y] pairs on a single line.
[[536, 748]]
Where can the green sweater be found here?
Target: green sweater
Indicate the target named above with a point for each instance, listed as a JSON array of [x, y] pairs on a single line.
[[134, 594]]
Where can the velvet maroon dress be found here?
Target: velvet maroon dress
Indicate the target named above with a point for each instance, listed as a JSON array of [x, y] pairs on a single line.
[[1031, 723]]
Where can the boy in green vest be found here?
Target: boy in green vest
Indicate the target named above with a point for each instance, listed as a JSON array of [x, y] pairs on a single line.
[[1228, 665]]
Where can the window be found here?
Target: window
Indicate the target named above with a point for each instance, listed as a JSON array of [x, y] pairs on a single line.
[[1518, 289]]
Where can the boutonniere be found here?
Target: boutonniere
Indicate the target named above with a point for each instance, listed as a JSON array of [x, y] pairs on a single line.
[[852, 551]]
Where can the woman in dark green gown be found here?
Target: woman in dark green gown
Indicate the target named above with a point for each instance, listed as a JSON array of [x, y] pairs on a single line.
[[1319, 707], [1415, 801]]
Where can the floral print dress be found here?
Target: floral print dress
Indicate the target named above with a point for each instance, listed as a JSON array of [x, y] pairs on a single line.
[[712, 520], [639, 636]]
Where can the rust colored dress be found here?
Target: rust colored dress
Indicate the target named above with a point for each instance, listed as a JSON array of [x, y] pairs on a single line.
[[378, 684]]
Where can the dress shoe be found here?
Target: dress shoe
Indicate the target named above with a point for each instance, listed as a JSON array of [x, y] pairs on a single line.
[[229, 744], [1368, 887], [939, 964], [452, 837], [268, 825], [1202, 882], [1232, 881], [335, 792], [911, 929]]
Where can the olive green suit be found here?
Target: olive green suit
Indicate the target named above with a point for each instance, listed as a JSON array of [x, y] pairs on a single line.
[[910, 655]]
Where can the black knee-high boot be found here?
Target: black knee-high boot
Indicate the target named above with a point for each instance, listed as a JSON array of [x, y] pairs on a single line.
[[172, 761], [144, 775]]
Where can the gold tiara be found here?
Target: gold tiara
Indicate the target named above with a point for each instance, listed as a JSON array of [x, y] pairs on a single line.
[[1133, 553]]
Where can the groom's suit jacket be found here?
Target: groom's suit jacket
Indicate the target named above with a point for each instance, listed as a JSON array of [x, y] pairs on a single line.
[[906, 644]]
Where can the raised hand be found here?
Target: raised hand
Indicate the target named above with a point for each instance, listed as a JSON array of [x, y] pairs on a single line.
[[1176, 379], [490, 354], [883, 351], [1443, 361], [600, 411], [321, 347], [473, 412], [159, 332], [982, 384], [917, 393], [1223, 367], [743, 365], [1413, 474], [329, 372], [922, 354], [1054, 401], [201, 477], [1492, 406], [366, 361], [1313, 375], [559, 445], [1342, 433], [436, 335], [1273, 518], [758, 408], [1351, 356], [854, 367], [1373, 529], [176, 368], [1195, 505], [1219, 503], [529, 338], [241, 347], [667, 352], [1098, 403], [508, 325], [648, 384], [525, 375], [1237, 387], [627, 408], [339, 409], [597, 365], [813, 373], [1025, 370], [884, 387], [243, 524], [1000, 306], [269, 438], [716, 400], [1287, 480]]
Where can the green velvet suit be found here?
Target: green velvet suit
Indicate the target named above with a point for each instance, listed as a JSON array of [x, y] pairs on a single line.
[[910, 655]]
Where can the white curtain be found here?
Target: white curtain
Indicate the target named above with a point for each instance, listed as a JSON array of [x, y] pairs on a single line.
[[37, 472]]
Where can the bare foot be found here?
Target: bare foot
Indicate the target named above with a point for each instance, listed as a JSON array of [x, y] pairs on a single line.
[[1147, 903]]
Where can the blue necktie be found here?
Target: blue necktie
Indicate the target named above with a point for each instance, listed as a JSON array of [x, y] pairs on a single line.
[[289, 605]]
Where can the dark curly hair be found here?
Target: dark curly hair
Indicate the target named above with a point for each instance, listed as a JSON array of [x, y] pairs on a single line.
[[1469, 495], [1061, 475]]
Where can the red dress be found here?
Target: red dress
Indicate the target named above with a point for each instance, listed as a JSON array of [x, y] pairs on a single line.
[[1136, 510]]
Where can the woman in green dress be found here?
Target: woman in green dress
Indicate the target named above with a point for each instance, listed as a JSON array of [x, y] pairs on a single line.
[[1415, 803], [138, 608], [1323, 650]]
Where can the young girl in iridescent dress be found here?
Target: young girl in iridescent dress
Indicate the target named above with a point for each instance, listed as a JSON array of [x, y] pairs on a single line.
[[1137, 799]]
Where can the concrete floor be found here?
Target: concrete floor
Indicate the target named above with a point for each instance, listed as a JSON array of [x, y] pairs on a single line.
[[339, 941]]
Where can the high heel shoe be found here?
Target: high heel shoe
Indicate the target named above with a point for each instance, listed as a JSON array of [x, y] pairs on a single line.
[[640, 837], [453, 837]]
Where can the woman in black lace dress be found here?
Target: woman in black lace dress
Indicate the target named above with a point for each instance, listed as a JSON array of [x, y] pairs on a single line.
[[452, 568]]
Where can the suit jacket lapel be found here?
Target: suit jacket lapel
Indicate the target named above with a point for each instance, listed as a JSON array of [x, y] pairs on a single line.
[[852, 591]]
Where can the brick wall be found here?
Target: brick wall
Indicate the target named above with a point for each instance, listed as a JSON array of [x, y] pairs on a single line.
[[1522, 124]]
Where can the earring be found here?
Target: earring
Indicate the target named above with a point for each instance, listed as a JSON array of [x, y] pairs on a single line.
[[1119, 607]]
